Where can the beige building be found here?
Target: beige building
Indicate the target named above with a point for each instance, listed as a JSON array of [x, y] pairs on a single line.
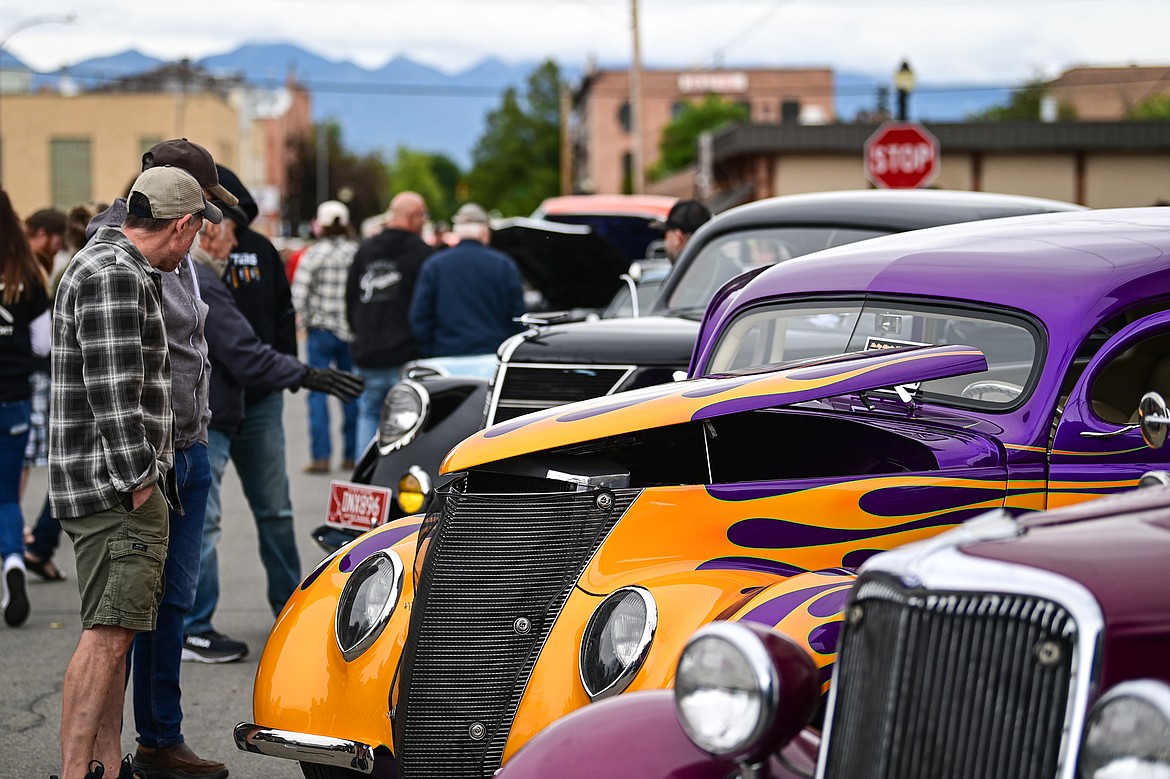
[[62, 150], [1097, 164], [600, 127], [1105, 94]]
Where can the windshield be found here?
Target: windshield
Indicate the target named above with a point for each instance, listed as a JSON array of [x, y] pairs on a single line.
[[781, 334], [725, 257]]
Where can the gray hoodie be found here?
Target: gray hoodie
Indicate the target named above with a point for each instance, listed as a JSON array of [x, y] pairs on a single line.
[[184, 314]]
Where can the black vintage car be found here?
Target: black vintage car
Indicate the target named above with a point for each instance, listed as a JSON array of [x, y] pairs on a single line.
[[555, 363]]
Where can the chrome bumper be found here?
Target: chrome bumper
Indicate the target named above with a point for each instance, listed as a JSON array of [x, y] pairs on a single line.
[[305, 747]]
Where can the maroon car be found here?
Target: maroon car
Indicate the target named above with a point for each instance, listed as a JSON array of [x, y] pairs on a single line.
[[1029, 648]]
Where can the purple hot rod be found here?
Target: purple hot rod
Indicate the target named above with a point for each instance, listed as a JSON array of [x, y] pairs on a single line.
[[840, 404]]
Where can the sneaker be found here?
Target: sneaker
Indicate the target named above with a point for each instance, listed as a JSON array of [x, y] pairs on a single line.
[[212, 647], [175, 762], [14, 602]]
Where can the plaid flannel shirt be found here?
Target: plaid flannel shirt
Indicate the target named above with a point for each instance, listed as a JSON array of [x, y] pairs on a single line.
[[110, 430], [318, 287]]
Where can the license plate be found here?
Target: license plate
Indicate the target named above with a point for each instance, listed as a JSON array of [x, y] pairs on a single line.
[[357, 506]]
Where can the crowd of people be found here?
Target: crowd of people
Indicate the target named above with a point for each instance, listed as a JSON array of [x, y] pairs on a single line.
[[144, 345]]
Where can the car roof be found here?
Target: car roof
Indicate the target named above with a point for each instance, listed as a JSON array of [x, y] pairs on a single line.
[[884, 210], [650, 206], [1064, 268]]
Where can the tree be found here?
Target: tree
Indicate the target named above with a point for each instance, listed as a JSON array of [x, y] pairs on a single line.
[[516, 162], [1024, 106], [678, 147], [359, 181], [434, 176], [1155, 108]]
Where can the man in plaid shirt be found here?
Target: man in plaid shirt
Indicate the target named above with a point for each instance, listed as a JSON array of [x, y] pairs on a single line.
[[318, 295], [111, 447]]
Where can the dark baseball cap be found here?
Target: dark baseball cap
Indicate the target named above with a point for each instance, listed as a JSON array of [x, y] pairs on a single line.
[[685, 215], [193, 158]]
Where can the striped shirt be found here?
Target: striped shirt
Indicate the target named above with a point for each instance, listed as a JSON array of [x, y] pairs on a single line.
[[110, 430], [318, 287]]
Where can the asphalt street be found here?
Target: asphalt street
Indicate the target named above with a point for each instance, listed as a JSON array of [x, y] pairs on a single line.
[[215, 697]]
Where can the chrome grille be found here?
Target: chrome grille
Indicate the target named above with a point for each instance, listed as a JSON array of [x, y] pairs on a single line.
[[528, 388], [496, 561], [965, 685]]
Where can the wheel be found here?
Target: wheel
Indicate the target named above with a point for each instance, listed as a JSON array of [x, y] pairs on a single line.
[[318, 771], [992, 391]]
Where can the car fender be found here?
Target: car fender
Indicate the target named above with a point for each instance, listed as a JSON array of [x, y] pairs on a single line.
[[638, 734], [808, 608], [303, 683]]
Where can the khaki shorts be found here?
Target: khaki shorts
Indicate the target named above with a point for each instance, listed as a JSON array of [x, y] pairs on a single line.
[[120, 557]]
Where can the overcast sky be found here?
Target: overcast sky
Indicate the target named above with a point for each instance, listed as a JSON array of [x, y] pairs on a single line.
[[998, 42]]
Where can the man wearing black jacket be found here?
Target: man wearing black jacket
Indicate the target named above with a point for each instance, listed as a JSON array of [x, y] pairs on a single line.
[[377, 297]]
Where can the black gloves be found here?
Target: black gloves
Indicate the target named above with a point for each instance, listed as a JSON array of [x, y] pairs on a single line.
[[341, 384]]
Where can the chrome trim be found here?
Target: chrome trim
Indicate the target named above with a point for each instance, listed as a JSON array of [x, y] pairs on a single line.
[[763, 670], [939, 563], [502, 371], [371, 635], [648, 631], [304, 747], [424, 397]]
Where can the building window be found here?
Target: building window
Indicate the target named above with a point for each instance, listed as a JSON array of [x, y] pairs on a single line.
[[624, 118], [146, 143], [627, 173], [789, 111], [71, 172], [677, 109]]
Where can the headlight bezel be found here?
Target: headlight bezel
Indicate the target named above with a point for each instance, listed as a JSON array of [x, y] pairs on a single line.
[[786, 683], [422, 396], [349, 593], [595, 629], [1151, 693]]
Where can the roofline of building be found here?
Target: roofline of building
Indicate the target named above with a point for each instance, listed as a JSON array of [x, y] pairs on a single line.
[[1022, 137]]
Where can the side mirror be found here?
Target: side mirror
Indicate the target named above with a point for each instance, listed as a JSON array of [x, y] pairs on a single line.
[[1153, 419]]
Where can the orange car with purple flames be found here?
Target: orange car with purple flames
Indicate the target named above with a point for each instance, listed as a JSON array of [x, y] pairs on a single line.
[[840, 404]]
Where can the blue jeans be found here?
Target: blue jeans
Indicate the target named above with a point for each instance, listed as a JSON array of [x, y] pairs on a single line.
[[326, 350], [155, 656], [14, 425], [369, 403], [257, 449]]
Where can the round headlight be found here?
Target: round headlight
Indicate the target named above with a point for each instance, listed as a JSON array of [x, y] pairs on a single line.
[[403, 412], [742, 691], [1127, 735], [616, 641], [414, 490], [366, 602]]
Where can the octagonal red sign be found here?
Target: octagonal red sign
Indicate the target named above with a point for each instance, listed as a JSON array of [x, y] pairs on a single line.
[[901, 155]]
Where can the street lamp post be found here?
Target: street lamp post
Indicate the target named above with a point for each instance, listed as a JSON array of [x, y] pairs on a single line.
[[32, 21], [904, 85]]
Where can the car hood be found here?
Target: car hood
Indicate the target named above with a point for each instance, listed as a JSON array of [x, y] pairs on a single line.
[[704, 398], [644, 341], [571, 265]]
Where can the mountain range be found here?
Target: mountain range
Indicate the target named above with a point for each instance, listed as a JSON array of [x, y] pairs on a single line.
[[405, 103]]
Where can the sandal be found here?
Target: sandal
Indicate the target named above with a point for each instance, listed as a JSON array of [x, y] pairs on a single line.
[[46, 569]]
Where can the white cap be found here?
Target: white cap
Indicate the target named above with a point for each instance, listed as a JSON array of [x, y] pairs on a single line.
[[332, 211]]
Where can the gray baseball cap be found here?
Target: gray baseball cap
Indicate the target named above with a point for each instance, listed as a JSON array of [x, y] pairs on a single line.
[[169, 193]]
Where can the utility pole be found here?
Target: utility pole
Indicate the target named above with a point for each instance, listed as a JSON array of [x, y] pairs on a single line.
[[566, 142], [638, 174]]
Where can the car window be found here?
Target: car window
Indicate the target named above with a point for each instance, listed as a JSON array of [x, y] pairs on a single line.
[[726, 256], [782, 334]]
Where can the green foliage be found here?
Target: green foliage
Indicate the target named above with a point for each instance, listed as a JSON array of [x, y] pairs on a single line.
[[678, 147], [516, 162], [1024, 106], [1155, 108], [434, 176]]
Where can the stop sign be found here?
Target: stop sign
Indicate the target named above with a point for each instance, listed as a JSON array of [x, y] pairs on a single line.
[[901, 155]]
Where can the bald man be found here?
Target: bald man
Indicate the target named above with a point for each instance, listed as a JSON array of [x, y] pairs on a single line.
[[378, 293]]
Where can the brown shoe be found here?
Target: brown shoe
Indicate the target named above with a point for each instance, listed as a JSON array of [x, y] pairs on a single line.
[[317, 466], [347, 464], [176, 762]]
